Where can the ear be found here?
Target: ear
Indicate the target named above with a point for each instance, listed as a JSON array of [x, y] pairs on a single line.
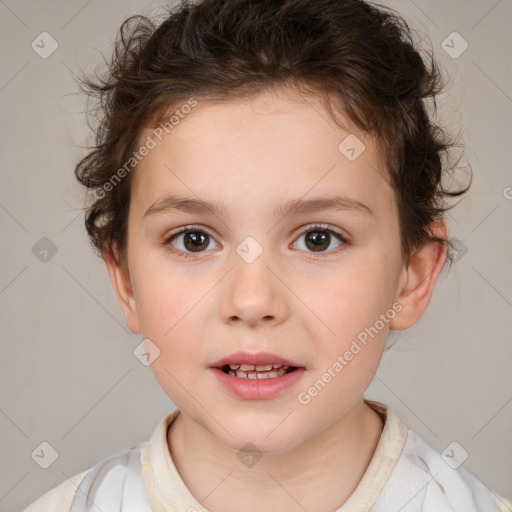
[[122, 285], [418, 278]]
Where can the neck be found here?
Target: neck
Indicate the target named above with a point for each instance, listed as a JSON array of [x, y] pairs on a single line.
[[319, 474]]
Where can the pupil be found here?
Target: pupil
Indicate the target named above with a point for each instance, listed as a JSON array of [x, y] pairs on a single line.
[[197, 239], [320, 240]]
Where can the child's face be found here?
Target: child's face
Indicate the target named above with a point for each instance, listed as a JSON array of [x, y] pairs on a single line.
[[253, 157]]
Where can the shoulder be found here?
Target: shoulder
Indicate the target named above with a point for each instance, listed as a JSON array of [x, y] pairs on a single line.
[[59, 498], [424, 479], [112, 481]]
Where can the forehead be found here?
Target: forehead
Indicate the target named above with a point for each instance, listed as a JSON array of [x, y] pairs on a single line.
[[276, 143]]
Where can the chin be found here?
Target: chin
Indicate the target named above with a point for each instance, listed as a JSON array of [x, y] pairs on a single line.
[[268, 435]]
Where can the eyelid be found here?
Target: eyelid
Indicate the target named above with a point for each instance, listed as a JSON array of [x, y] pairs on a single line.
[[185, 229], [189, 227], [324, 227]]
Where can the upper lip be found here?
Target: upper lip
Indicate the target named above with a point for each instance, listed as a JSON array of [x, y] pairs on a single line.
[[260, 358]]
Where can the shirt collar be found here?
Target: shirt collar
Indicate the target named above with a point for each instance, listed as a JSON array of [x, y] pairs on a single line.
[[164, 485]]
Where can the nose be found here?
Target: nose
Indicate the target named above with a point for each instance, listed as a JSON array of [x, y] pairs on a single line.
[[254, 294]]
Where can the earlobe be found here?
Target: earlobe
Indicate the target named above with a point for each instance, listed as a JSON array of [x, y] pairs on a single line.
[[419, 277], [124, 292]]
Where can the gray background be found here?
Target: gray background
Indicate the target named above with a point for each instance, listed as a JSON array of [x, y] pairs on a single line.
[[69, 376]]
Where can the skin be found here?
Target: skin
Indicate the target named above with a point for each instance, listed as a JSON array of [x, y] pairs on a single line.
[[251, 155]]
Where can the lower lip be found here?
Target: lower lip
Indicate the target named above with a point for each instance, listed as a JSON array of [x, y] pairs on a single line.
[[257, 389]]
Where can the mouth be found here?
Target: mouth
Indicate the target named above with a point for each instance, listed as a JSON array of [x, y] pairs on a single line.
[[251, 371], [257, 376]]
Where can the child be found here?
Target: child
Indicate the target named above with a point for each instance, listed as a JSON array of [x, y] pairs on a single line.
[[268, 202]]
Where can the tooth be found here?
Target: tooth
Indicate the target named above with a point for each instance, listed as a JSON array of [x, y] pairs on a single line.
[[264, 368], [277, 365], [246, 367], [234, 366], [256, 375]]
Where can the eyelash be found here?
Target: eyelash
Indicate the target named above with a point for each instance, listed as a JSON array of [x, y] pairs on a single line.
[[320, 227]]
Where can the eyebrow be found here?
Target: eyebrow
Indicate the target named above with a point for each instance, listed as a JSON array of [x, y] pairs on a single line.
[[169, 204]]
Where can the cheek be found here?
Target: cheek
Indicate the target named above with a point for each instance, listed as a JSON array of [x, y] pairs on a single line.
[[351, 297], [349, 357], [168, 305], [170, 309], [349, 306]]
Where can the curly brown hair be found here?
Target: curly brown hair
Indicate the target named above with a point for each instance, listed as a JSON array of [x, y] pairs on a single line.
[[359, 59]]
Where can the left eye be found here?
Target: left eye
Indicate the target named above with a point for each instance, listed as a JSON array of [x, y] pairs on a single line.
[[318, 239]]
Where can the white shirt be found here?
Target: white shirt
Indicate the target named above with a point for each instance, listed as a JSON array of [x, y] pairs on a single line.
[[405, 473]]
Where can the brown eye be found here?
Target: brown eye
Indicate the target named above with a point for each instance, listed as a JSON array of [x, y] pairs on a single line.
[[318, 239], [190, 240]]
